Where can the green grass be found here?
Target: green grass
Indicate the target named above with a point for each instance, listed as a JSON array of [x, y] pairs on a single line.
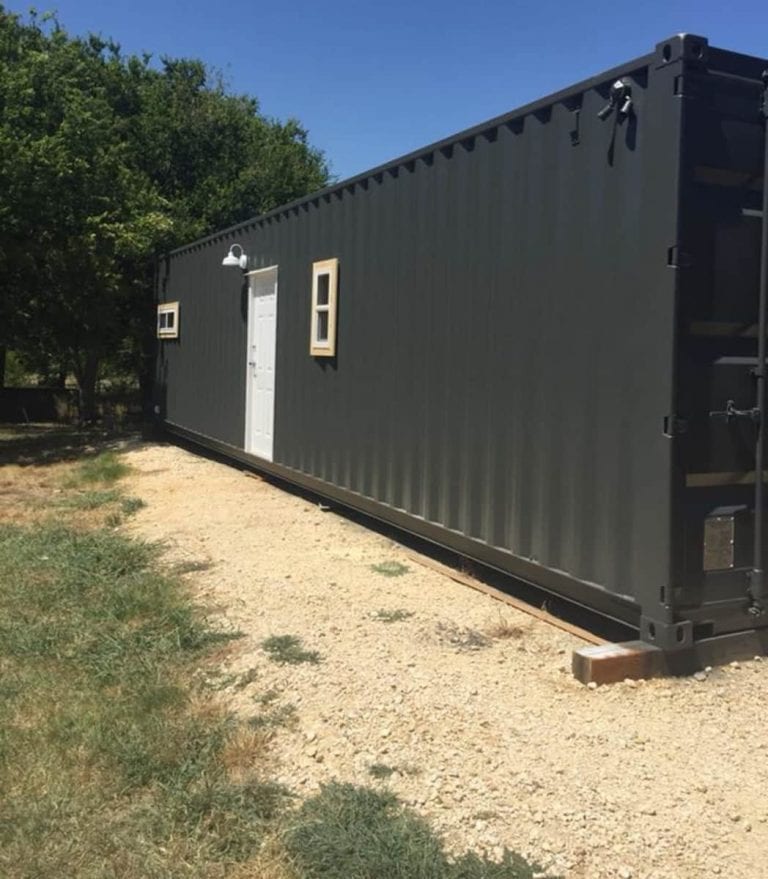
[[105, 468], [106, 767], [390, 569], [94, 499], [89, 500], [288, 650], [131, 505], [358, 833], [391, 616]]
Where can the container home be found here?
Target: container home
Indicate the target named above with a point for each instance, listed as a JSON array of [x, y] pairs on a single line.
[[539, 343]]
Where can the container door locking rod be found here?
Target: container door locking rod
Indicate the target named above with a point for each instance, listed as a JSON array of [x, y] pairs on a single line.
[[757, 584], [731, 413]]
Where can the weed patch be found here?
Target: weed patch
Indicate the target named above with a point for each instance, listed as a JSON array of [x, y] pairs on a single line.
[[502, 629], [131, 505], [461, 637], [383, 771], [288, 650], [392, 616], [390, 569]]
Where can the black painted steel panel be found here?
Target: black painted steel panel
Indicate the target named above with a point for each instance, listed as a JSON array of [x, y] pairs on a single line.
[[506, 354]]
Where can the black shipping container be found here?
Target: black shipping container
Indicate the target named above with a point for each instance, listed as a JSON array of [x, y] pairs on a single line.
[[535, 342]]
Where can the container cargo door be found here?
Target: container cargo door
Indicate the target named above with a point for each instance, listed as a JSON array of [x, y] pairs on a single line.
[[260, 375], [719, 388], [717, 403], [723, 353]]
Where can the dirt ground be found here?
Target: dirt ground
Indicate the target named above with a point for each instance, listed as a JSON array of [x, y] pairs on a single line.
[[492, 739]]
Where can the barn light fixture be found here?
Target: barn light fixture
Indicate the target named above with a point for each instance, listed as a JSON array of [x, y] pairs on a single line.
[[231, 260]]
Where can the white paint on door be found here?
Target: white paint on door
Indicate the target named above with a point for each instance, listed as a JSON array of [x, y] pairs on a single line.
[[260, 381]]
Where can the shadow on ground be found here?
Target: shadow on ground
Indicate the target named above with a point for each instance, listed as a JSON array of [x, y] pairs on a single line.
[[41, 444]]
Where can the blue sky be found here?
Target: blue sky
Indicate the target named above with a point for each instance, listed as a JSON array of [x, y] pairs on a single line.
[[372, 81]]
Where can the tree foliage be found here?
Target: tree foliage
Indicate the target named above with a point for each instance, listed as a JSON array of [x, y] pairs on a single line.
[[106, 161]]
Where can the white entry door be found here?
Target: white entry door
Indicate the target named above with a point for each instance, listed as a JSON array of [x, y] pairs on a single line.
[[260, 381]]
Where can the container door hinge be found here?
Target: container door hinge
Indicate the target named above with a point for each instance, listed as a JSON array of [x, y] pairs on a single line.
[[677, 258], [674, 426]]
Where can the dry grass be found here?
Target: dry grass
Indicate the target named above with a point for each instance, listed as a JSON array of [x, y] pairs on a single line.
[[83, 494], [272, 862], [501, 629], [25, 493], [245, 753]]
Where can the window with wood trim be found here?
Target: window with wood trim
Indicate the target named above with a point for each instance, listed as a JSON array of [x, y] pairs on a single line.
[[325, 284], [168, 320]]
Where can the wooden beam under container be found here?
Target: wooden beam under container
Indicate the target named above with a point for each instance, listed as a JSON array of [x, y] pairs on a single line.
[[523, 607]]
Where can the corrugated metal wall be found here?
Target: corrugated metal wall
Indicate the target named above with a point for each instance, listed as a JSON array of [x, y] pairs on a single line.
[[504, 336], [201, 376]]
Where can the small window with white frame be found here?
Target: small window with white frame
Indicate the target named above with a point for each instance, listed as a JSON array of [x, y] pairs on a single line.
[[325, 283], [168, 320]]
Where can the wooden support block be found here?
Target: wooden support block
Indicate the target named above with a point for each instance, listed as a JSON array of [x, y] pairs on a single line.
[[609, 663]]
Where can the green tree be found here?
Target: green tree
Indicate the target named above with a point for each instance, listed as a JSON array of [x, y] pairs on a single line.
[[105, 162]]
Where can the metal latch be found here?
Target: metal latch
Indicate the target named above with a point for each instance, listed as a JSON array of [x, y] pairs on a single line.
[[731, 413]]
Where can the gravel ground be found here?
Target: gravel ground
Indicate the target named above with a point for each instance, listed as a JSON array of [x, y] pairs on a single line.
[[470, 702]]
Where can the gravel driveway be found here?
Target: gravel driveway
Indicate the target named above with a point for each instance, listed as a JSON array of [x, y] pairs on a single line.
[[469, 704]]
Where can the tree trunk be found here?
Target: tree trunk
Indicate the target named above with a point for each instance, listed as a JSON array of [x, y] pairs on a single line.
[[2, 366], [147, 348], [87, 375]]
